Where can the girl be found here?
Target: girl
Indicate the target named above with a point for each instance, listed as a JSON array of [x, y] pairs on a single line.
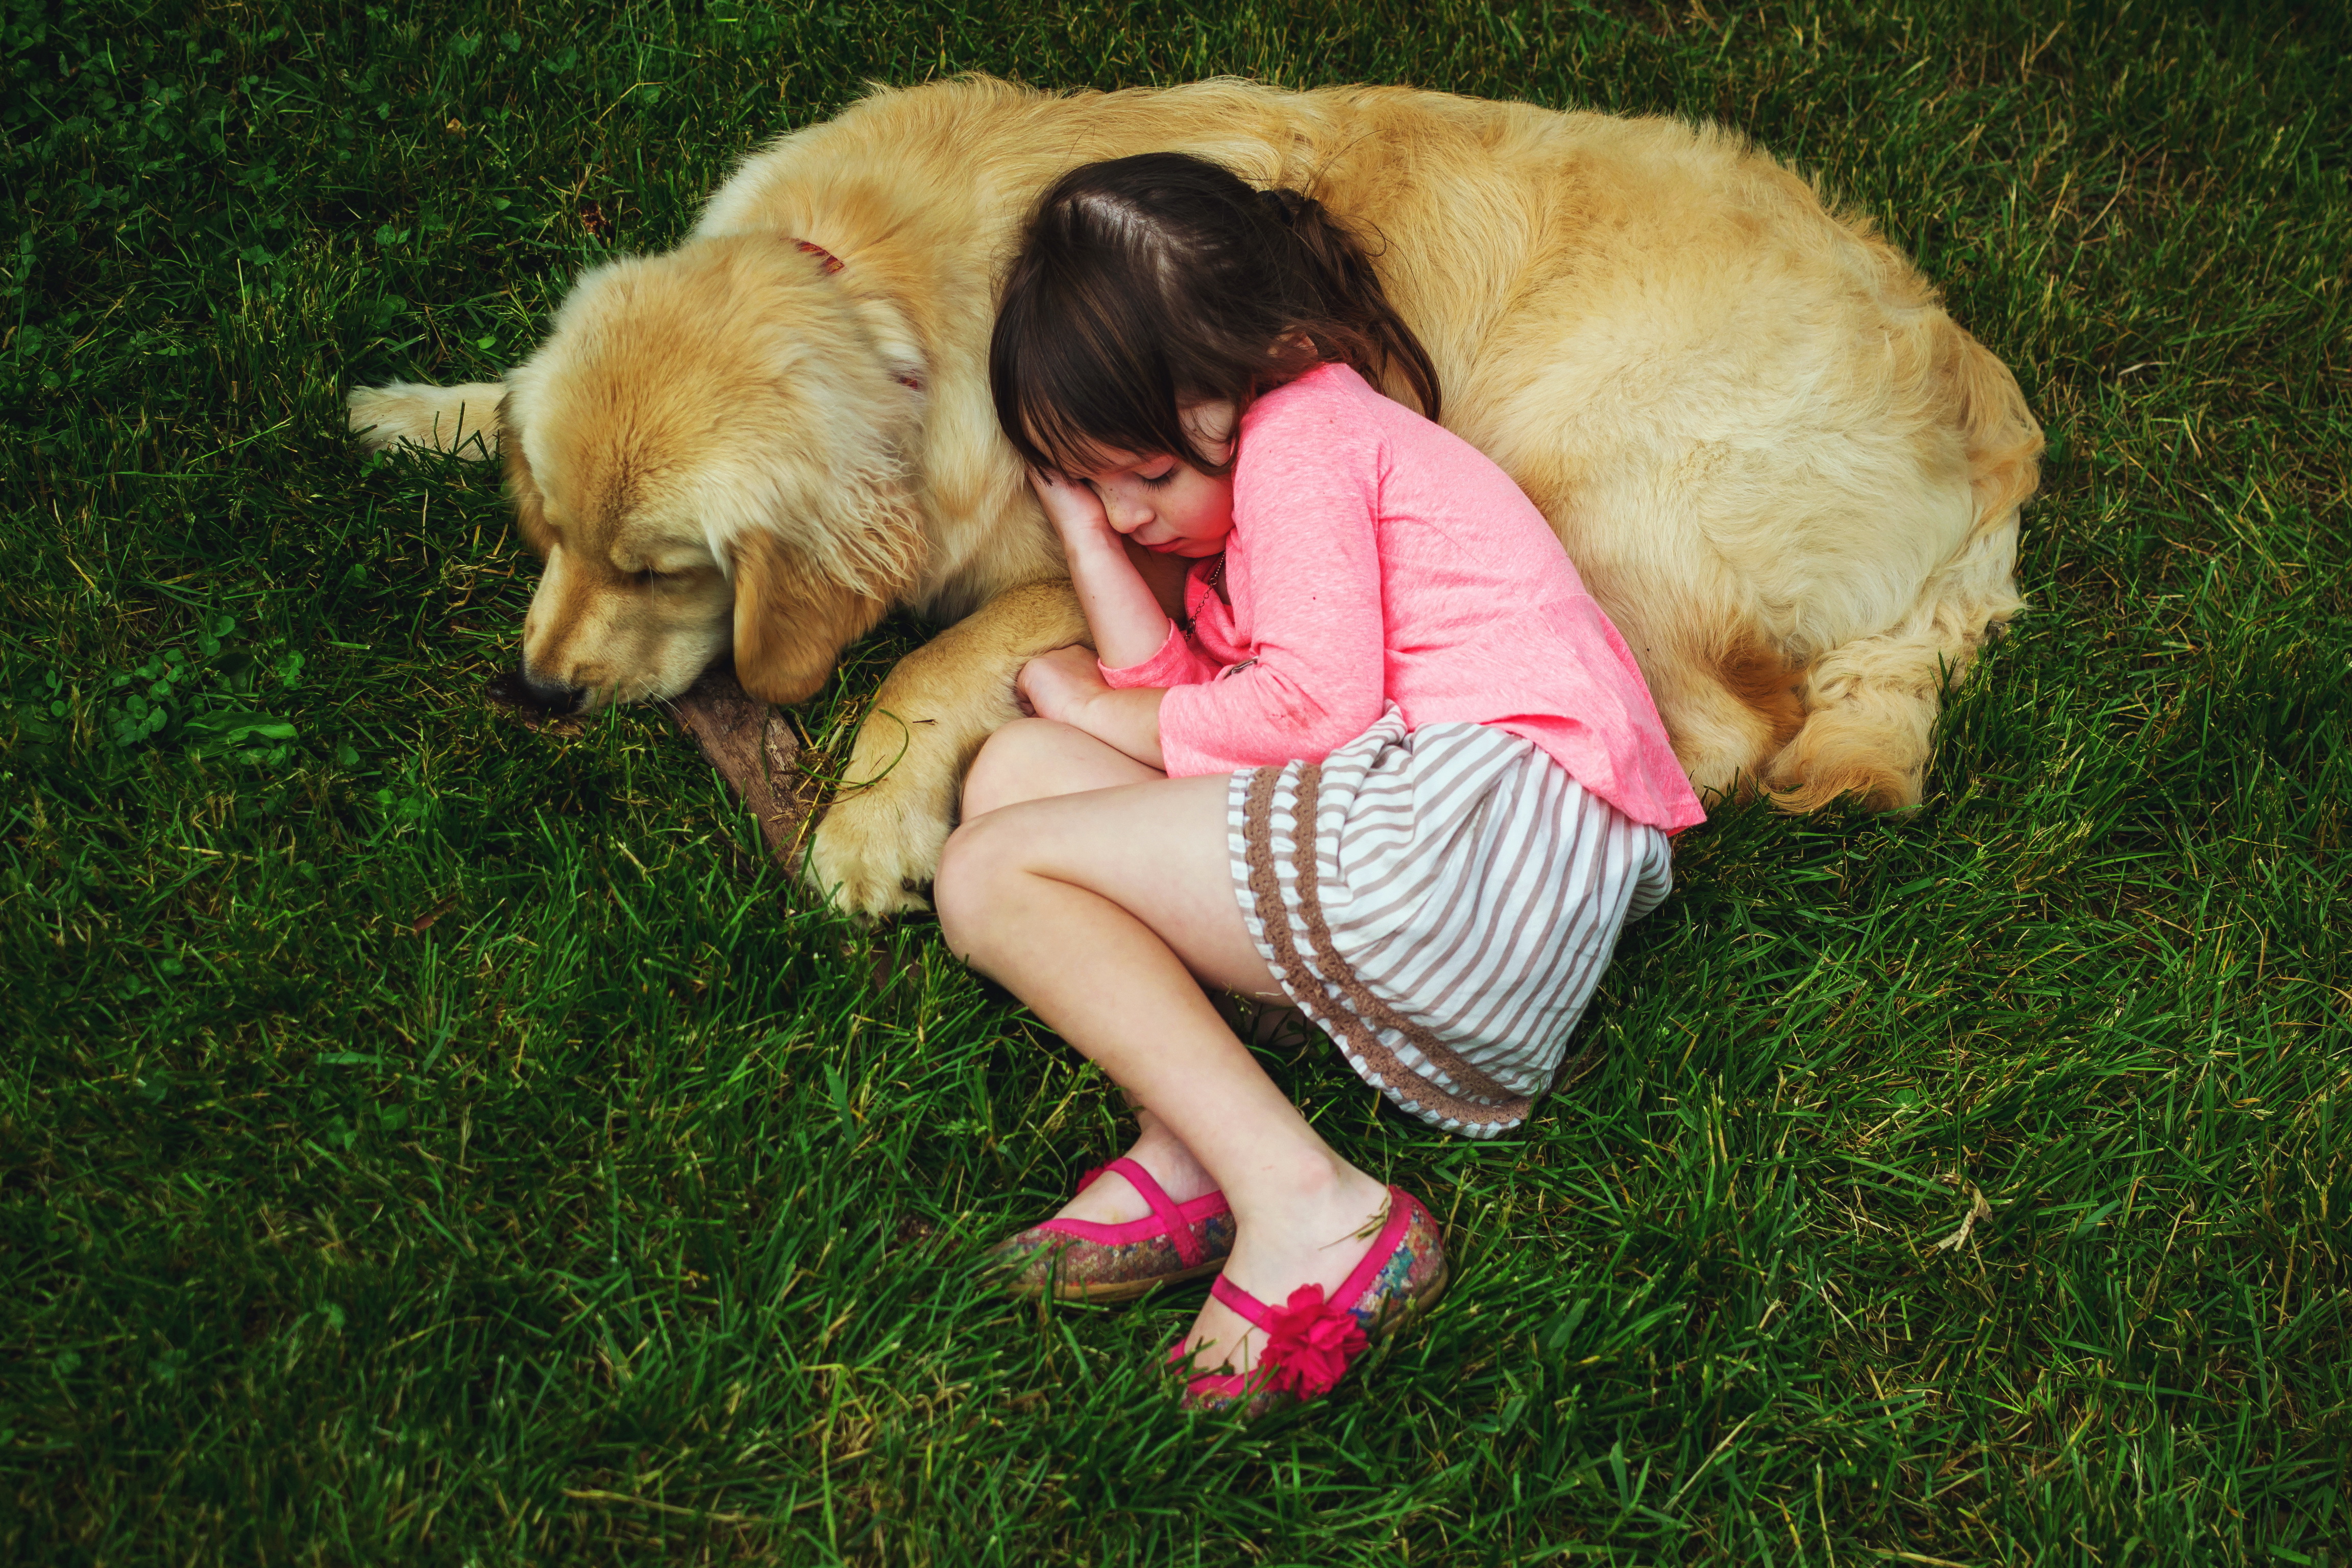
[[1391, 763]]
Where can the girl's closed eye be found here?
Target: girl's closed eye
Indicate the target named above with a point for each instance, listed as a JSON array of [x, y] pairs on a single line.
[[1154, 482]]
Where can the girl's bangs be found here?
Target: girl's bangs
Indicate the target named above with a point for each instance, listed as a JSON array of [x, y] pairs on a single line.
[[1064, 434], [1096, 388]]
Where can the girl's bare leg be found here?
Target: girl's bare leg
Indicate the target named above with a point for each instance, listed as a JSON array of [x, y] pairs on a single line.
[[1104, 912], [1034, 759], [1031, 759]]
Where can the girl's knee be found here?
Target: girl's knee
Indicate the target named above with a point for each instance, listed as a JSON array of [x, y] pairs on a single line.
[[1012, 766], [972, 865]]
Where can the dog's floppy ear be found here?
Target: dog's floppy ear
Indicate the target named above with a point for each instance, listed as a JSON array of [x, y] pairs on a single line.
[[792, 620], [522, 489]]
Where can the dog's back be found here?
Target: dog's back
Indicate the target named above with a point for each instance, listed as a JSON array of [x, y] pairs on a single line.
[[1791, 479]]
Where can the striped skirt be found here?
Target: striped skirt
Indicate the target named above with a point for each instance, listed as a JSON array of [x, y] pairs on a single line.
[[1441, 902]]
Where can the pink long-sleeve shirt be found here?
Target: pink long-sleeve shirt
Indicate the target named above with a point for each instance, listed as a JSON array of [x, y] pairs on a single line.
[[1378, 558]]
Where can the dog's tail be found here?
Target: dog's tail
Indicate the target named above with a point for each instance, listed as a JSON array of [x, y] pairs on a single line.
[[460, 420], [1870, 703]]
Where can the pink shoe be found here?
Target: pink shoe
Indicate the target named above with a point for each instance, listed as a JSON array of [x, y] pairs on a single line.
[[1310, 1343], [1085, 1260]]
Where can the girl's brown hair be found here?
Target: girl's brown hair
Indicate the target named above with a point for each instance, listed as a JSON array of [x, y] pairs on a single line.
[[1150, 284]]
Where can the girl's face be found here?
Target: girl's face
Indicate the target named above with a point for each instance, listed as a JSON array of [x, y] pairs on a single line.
[[1162, 502]]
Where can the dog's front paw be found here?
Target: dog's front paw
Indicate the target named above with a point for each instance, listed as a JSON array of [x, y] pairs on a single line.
[[874, 854]]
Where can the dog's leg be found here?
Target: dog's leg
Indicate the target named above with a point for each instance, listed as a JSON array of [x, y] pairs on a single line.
[[460, 420], [1870, 703], [1728, 710], [876, 850]]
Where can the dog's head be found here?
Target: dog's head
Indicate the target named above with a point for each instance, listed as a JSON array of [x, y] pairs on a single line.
[[707, 452]]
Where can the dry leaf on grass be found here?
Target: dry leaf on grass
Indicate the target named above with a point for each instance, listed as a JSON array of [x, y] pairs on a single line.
[[1978, 1209]]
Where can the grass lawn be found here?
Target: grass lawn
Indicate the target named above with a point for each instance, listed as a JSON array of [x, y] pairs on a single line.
[[424, 1141]]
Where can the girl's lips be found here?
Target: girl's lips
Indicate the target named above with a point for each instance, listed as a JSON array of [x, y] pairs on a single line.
[[1178, 544]]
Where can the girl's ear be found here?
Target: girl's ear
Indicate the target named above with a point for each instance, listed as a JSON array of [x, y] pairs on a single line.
[[792, 619]]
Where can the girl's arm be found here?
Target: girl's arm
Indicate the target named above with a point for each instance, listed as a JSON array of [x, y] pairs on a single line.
[[1125, 615], [1066, 685], [1316, 675], [1128, 624]]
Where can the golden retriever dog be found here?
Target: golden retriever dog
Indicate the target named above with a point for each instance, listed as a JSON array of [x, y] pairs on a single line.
[[1787, 476]]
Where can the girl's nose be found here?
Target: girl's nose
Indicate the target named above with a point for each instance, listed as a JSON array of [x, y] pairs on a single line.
[[1127, 514]]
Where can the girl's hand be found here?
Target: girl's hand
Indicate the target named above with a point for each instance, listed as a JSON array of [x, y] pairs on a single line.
[[1074, 509], [1128, 624], [1059, 685]]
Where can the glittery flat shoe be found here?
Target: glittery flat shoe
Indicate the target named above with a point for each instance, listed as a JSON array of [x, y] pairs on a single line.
[[1310, 1342], [1084, 1260]]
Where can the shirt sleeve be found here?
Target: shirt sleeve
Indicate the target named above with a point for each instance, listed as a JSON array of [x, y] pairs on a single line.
[[1178, 663], [1306, 565]]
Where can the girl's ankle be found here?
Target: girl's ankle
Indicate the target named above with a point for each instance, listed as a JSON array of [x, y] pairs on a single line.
[[1316, 1191], [1170, 1163]]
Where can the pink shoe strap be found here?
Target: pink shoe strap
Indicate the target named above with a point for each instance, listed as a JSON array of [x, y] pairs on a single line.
[[1401, 1206], [1310, 1343], [1172, 1218], [1241, 1301]]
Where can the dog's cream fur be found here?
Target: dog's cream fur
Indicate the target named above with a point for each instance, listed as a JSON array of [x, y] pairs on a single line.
[[1792, 481]]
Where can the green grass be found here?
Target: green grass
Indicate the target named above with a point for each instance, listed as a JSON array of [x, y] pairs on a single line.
[[426, 1142]]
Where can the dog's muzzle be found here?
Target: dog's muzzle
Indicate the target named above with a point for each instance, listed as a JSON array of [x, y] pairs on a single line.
[[550, 699]]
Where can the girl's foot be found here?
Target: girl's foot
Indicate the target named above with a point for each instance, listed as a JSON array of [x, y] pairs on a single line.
[[1114, 1200], [1308, 1274], [1132, 1238]]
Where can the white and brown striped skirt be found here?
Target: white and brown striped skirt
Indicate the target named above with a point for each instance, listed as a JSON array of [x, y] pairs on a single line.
[[1441, 902]]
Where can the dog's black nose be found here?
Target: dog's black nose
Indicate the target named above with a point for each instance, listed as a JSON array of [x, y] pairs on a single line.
[[550, 699]]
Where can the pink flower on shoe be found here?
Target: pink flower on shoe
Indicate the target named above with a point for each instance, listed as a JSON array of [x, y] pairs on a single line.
[[1310, 1341], [1308, 1344]]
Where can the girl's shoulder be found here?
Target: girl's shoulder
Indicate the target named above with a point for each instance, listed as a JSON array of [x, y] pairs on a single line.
[[1328, 387], [1331, 426], [1331, 411], [1335, 413]]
